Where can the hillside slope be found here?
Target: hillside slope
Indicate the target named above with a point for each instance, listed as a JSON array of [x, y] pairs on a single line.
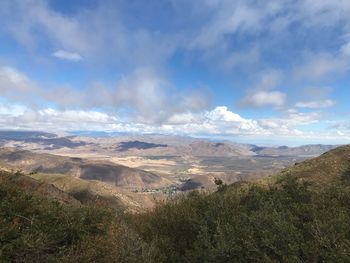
[[331, 167], [104, 171], [286, 219], [97, 192], [37, 227], [37, 188], [312, 150], [299, 215]]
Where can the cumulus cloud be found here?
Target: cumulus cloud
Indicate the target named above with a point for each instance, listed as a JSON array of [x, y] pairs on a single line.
[[150, 97], [219, 121], [154, 99], [264, 94], [228, 122], [21, 117], [144, 95], [290, 120], [66, 55], [221, 113], [315, 104], [183, 118]]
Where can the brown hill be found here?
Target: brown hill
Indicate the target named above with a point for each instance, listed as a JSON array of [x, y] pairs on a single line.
[[96, 192], [304, 150], [38, 188], [104, 171]]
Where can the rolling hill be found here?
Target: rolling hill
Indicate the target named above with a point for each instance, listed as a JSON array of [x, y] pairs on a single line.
[[300, 214], [304, 150], [96, 192], [37, 188], [329, 168], [103, 171]]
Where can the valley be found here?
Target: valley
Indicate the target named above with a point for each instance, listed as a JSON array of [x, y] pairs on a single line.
[[138, 170], [301, 213]]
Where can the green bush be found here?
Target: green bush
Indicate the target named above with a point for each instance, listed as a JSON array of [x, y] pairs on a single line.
[[284, 223], [290, 221], [40, 230]]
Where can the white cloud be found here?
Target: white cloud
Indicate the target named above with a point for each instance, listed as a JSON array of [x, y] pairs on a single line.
[[72, 56], [321, 66], [183, 118], [21, 117], [15, 85], [345, 49], [101, 35], [219, 121], [153, 98], [290, 120], [222, 121], [225, 34], [340, 133], [98, 35], [264, 93], [224, 22], [263, 98], [11, 79], [315, 104], [11, 110], [144, 95], [221, 113]]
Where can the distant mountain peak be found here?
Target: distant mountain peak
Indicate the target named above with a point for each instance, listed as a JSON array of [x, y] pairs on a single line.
[[125, 146]]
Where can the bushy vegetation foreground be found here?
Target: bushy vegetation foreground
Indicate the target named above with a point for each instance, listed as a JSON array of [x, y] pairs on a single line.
[[290, 221]]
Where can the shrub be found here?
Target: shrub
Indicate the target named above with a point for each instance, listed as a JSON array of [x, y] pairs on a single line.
[[289, 221], [286, 222], [39, 230]]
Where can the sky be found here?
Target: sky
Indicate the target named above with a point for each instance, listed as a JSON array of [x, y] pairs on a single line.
[[268, 72]]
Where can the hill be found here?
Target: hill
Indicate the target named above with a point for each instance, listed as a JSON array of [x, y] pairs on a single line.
[[146, 145], [301, 214], [37, 227], [48, 141], [97, 192], [304, 150], [37, 188], [103, 171], [329, 168]]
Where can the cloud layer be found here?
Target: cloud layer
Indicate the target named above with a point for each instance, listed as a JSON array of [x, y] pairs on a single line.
[[218, 123], [282, 66], [144, 96]]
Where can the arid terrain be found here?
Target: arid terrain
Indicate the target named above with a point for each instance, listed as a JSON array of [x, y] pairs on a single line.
[[138, 170]]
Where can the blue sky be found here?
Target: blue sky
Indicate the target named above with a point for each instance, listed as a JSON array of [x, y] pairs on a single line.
[[273, 72]]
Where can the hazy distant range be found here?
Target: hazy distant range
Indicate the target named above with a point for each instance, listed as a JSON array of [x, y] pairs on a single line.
[[148, 161]]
